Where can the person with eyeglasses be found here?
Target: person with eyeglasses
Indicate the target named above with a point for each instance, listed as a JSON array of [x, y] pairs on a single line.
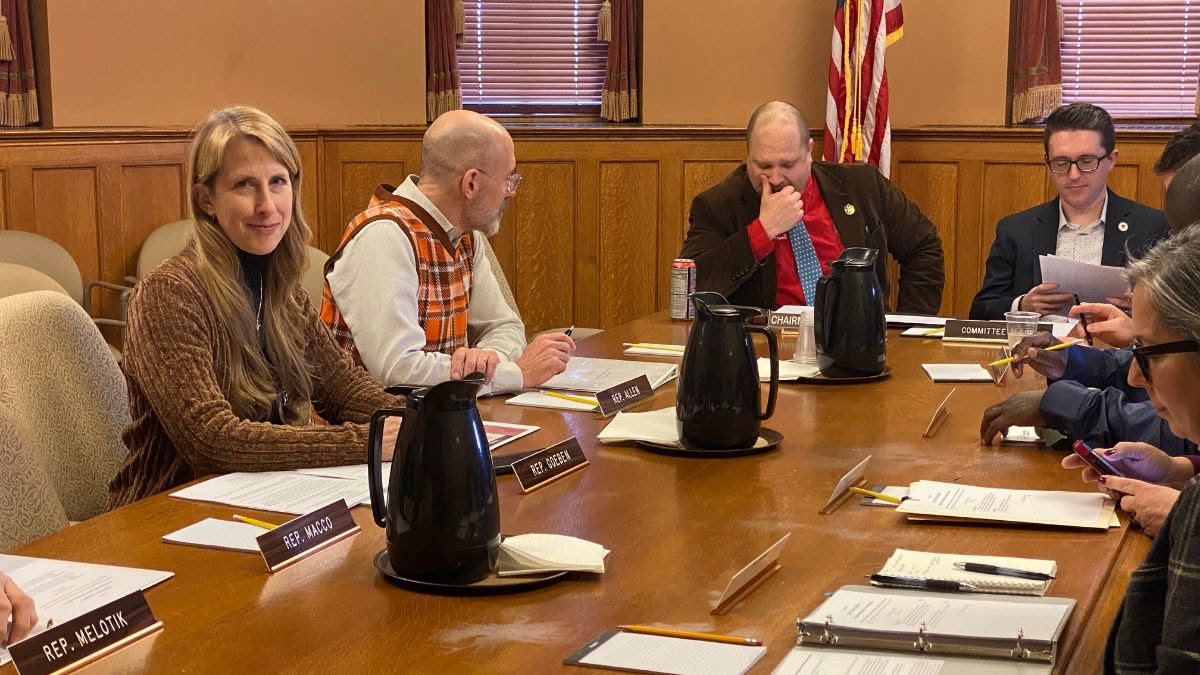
[[1086, 222], [411, 293]]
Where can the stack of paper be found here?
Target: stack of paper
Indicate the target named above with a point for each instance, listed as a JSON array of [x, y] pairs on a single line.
[[896, 320], [279, 491], [536, 553], [594, 375], [653, 349], [957, 372], [228, 535], [1092, 283], [656, 426], [789, 371], [923, 565], [537, 399], [952, 501]]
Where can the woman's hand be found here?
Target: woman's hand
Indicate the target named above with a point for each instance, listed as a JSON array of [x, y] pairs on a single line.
[[1139, 461], [18, 607], [1149, 504]]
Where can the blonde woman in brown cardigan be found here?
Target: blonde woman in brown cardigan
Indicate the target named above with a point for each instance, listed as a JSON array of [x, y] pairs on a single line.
[[225, 356]]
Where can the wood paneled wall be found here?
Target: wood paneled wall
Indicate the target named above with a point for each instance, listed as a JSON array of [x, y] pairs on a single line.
[[590, 236]]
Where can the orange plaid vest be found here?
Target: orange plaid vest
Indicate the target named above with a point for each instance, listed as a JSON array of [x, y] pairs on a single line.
[[443, 274]]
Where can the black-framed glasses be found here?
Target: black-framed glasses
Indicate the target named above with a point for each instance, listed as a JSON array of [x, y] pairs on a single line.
[[1086, 164], [511, 182], [1142, 354]]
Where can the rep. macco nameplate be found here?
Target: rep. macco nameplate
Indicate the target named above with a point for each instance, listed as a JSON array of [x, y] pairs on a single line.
[[305, 535], [84, 639], [549, 464], [624, 395]]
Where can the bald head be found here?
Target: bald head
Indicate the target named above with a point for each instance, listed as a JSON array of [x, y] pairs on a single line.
[[459, 140], [1182, 204], [773, 114]]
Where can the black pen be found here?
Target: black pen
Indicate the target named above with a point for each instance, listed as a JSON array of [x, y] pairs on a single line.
[[1083, 320], [1002, 571], [567, 332], [915, 582]]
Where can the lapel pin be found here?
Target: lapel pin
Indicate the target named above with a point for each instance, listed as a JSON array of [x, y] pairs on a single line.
[[1123, 226], [849, 209]]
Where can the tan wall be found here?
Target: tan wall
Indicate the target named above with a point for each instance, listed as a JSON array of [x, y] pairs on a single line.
[[164, 63], [156, 63]]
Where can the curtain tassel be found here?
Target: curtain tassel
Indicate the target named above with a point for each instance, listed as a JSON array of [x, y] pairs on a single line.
[[6, 48], [460, 20], [604, 22]]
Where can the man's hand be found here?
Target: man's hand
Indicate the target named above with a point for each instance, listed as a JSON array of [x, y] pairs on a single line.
[[780, 211], [467, 360], [1043, 300], [15, 604], [1148, 503], [1018, 410], [1106, 323], [1033, 350], [1139, 461], [545, 357]]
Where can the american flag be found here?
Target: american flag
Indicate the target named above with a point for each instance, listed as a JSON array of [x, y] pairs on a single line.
[[856, 113]]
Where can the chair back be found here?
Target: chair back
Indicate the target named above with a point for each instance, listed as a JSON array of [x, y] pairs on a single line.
[[45, 256], [164, 242], [63, 406], [313, 280], [16, 279]]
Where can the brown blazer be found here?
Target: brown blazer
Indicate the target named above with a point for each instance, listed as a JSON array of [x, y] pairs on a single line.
[[883, 219]]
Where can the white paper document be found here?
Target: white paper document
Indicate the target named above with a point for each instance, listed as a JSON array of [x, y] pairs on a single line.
[[63, 590], [659, 654], [955, 616], [651, 349], [1092, 283], [537, 399], [789, 371], [593, 375], [957, 372], [656, 426], [927, 565], [915, 320], [1039, 507], [280, 491], [229, 535], [801, 661]]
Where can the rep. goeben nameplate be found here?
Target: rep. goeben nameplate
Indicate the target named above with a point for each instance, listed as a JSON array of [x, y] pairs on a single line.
[[624, 395], [84, 639], [303, 536], [549, 464]]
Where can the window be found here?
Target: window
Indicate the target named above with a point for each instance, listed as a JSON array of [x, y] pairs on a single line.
[[1134, 58], [530, 57]]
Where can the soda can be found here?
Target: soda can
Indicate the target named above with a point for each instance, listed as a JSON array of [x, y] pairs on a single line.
[[683, 283]]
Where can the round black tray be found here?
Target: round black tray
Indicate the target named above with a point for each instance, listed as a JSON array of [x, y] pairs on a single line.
[[822, 379], [768, 440], [492, 584]]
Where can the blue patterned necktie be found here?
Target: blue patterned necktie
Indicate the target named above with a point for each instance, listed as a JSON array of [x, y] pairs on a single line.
[[807, 265]]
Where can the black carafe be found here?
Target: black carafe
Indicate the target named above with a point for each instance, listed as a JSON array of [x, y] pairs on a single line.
[[717, 400], [849, 323], [442, 515]]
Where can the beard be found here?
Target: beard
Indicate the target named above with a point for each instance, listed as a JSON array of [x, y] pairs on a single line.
[[491, 228]]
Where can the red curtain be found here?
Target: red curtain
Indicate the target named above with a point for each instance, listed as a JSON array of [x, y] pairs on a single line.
[[443, 91], [19, 107], [1037, 67], [619, 101]]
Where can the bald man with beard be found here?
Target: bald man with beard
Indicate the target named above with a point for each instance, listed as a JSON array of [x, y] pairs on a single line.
[[410, 292]]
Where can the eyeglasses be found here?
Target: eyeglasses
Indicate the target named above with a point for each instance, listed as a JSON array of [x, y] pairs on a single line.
[[511, 182], [1142, 354], [1086, 164]]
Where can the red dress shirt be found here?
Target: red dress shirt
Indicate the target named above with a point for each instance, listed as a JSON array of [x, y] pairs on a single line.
[[825, 239]]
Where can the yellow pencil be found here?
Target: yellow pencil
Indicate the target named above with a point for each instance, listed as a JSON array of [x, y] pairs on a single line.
[[650, 345], [568, 397], [876, 495], [711, 637], [935, 331], [255, 522], [1011, 359]]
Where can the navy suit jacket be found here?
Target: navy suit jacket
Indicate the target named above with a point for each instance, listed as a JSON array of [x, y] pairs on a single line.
[[1012, 264]]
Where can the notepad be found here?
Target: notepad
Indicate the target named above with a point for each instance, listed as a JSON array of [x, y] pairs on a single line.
[[653, 349], [595, 375], [955, 501], [641, 653], [957, 372], [537, 553], [924, 565], [227, 535], [537, 399]]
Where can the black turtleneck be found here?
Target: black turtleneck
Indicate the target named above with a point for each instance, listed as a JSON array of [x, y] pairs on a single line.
[[254, 270]]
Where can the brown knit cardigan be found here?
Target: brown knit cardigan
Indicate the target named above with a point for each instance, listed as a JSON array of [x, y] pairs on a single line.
[[182, 425]]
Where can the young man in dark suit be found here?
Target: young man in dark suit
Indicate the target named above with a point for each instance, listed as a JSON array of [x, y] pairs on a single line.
[[764, 234], [1086, 222]]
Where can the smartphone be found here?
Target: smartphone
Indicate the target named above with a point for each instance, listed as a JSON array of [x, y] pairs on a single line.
[[1103, 466]]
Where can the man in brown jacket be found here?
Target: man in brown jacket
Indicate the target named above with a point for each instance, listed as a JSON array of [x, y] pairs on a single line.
[[765, 233]]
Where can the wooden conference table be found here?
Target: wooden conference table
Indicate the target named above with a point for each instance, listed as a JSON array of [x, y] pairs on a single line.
[[678, 529]]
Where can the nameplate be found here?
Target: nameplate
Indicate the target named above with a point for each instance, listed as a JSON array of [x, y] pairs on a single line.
[[625, 395], [549, 464], [300, 537], [982, 331], [86, 638], [789, 321]]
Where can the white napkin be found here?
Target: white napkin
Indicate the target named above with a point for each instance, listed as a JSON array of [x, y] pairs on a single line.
[[789, 371], [656, 426], [534, 553]]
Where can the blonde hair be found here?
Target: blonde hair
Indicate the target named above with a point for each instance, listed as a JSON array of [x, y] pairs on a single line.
[[253, 384]]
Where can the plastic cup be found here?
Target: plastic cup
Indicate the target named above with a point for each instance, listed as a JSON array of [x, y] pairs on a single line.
[[1020, 325], [806, 341]]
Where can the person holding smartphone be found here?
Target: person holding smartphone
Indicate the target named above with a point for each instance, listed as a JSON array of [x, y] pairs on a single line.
[[1151, 482], [1157, 628]]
